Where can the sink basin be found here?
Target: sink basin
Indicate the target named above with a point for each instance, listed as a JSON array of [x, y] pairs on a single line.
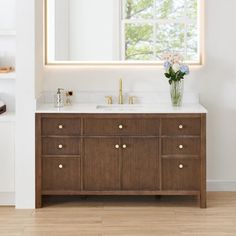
[[119, 107]]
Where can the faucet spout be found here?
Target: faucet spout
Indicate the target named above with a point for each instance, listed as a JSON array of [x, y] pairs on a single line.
[[121, 97]]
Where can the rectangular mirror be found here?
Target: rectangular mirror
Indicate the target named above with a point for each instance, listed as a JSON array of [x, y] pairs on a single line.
[[121, 31]]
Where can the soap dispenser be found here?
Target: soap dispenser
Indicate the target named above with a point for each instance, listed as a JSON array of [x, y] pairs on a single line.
[[59, 98]]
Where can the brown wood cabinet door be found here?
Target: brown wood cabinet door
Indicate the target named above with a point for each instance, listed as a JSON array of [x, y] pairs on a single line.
[[140, 164], [61, 174], [180, 174], [101, 164]]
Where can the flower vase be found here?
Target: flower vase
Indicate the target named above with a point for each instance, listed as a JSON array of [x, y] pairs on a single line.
[[176, 92]]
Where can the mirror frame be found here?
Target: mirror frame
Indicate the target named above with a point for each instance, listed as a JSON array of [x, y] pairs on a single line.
[[124, 63]]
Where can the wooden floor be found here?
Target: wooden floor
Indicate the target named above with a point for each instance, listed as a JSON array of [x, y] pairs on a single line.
[[177, 216]]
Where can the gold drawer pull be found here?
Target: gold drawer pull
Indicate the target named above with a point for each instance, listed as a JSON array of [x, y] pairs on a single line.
[[60, 127], [124, 146], [181, 126], [181, 166], [181, 146], [60, 146], [60, 166], [117, 146], [120, 126]]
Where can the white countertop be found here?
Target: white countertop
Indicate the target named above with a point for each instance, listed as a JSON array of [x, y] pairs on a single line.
[[136, 109]]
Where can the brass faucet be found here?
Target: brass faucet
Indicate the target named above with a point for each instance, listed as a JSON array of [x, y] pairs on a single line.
[[121, 97]]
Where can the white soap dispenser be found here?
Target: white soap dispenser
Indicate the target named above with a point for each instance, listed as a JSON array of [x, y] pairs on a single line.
[[59, 98]]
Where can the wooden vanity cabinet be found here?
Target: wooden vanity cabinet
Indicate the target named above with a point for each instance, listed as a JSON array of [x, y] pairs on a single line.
[[101, 164], [118, 164], [140, 164], [121, 154]]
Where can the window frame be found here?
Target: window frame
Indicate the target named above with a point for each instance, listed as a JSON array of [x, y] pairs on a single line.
[[154, 21]]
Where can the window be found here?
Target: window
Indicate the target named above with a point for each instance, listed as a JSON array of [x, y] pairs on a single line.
[[152, 27]]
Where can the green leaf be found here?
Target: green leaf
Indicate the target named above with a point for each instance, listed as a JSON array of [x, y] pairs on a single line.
[[170, 81], [167, 75]]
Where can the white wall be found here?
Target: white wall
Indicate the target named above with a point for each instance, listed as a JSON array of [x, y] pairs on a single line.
[[7, 51], [7, 159], [7, 93], [7, 22], [25, 104], [7, 14]]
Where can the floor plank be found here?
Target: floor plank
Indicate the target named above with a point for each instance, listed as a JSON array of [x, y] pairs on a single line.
[[131, 216]]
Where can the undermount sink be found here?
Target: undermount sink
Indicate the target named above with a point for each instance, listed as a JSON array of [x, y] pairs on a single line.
[[119, 107]]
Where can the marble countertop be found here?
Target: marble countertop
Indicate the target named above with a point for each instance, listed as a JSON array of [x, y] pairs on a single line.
[[135, 109]]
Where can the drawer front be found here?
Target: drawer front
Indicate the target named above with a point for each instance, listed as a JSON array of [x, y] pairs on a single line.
[[61, 126], [181, 126], [123, 126], [60, 174], [180, 174], [61, 146], [180, 146]]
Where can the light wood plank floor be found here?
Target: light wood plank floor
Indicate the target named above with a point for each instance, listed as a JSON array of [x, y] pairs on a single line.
[[130, 216]]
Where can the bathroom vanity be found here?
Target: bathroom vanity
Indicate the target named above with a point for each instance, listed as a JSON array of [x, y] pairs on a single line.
[[87, 151]]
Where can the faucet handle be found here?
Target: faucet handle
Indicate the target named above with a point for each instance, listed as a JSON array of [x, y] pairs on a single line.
[[131, 99], [109, 100]]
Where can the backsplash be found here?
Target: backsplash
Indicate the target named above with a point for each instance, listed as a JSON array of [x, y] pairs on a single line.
[[88, 97]]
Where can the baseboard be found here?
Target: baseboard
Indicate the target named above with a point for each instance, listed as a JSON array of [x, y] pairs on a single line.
[[7, 199], [221, 185]]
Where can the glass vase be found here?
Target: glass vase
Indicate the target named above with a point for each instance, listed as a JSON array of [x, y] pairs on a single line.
[[176, 92]]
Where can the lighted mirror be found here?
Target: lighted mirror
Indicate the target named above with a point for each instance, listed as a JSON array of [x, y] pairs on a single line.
[[121, 31]]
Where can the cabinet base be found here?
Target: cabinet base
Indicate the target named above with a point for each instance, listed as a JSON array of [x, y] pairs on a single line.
[[157, 194]]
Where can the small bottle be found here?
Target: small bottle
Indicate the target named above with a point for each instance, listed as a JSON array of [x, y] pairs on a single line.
[[69, 95], [59, 98]]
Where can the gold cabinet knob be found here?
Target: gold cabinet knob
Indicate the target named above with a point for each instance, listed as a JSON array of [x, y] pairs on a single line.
[[181, 126], [124, 146], [117, 146], [60, 146], [120, 126], [60, 127], [60, 166], [181, 166], [181, 146]]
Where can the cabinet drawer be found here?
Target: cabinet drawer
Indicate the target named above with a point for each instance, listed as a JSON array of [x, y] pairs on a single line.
[[180, 146], [60, 174], [61, 126], [181, 126], [61, 146], [121, 126], [180, 174]]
